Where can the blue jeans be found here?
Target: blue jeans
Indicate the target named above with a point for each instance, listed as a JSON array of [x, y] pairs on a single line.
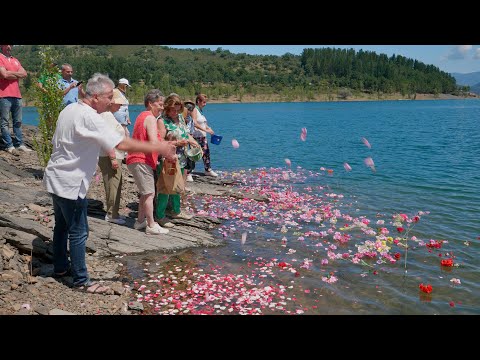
[[13, 105], [71, 226]]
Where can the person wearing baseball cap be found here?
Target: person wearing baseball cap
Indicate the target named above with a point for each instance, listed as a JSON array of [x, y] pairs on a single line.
[[123, 115], [124, 81]]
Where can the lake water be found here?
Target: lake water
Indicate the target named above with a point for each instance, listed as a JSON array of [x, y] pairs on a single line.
[[312, 249]]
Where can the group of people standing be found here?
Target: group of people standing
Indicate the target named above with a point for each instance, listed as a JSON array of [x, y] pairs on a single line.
[[92, 130], [88, 130], [164, 119], [80, 134]]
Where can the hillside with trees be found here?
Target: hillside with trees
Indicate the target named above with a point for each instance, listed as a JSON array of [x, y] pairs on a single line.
[[316, 74]]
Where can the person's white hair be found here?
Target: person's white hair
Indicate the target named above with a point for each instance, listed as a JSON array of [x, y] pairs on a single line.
[[98, 84]]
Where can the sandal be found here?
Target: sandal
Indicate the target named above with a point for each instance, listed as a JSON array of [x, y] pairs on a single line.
[[93, 287]]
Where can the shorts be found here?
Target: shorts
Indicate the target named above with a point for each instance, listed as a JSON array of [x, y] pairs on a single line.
[[144, 177]]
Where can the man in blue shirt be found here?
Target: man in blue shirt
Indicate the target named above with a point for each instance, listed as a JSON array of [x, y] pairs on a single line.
[[71, 87]]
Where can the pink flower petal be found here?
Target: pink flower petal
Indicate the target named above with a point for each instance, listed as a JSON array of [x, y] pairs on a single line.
[[367, 144], [369, 162], [235, 144], [347, 167], [303, 135], [288, 162]]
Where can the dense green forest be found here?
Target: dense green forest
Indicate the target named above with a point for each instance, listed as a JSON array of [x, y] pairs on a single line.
[[334, 73]]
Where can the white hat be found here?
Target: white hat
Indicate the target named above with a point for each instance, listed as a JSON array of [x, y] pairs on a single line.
[[124, 81]]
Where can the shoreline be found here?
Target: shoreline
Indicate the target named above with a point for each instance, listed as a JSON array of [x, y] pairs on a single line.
[[320, 98], [266, 98]]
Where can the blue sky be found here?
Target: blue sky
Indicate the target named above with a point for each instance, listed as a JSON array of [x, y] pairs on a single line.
[[449, 58]]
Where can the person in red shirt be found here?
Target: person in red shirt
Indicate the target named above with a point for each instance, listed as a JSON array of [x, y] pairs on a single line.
[[10, 99]]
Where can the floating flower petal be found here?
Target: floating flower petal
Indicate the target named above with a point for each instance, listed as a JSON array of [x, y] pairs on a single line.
[[367, 144]]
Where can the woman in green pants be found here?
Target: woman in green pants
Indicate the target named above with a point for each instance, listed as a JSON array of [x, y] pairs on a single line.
[[172, 127]]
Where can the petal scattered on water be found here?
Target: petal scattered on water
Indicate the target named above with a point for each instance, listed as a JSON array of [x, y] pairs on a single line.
[[367, 144], [369, 162], [303, 135]]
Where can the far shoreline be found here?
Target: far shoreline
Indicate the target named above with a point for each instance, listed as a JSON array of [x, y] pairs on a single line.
[[320, 98]]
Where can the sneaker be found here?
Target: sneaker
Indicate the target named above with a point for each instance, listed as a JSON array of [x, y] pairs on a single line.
[[118, 221], [182, 215], [11, 150], [165, 222], [23, 148], [211, 173], [140, 226], [155, 230], [189, 178]]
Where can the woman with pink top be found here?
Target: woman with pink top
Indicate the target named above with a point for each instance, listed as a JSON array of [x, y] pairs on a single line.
[[142, 166]]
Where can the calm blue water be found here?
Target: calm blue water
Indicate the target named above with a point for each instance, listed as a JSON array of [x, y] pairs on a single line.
[[427, 158]]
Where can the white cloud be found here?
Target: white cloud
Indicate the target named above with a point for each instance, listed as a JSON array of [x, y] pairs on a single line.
[[459, 52], [477, 54]]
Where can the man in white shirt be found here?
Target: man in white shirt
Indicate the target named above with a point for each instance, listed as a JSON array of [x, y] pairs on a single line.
[[79, 135]]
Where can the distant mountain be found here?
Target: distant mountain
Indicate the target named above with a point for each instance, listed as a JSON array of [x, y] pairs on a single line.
[[467, 79], [475, 89]]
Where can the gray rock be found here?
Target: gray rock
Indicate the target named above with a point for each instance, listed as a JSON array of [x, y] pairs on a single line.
[[41, 310], [25, 225], [37, 208], [60, 312], [117, 288], [22, 240], [7, 253], [23, 311], [135, 305], [11, 275]]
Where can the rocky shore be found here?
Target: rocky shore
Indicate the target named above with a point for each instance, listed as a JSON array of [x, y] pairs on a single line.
[[26, 223]]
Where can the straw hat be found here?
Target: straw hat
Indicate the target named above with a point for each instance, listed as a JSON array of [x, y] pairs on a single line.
[[118, 98], [189, 102]]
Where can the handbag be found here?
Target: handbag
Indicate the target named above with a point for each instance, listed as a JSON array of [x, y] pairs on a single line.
[[170, 179]]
